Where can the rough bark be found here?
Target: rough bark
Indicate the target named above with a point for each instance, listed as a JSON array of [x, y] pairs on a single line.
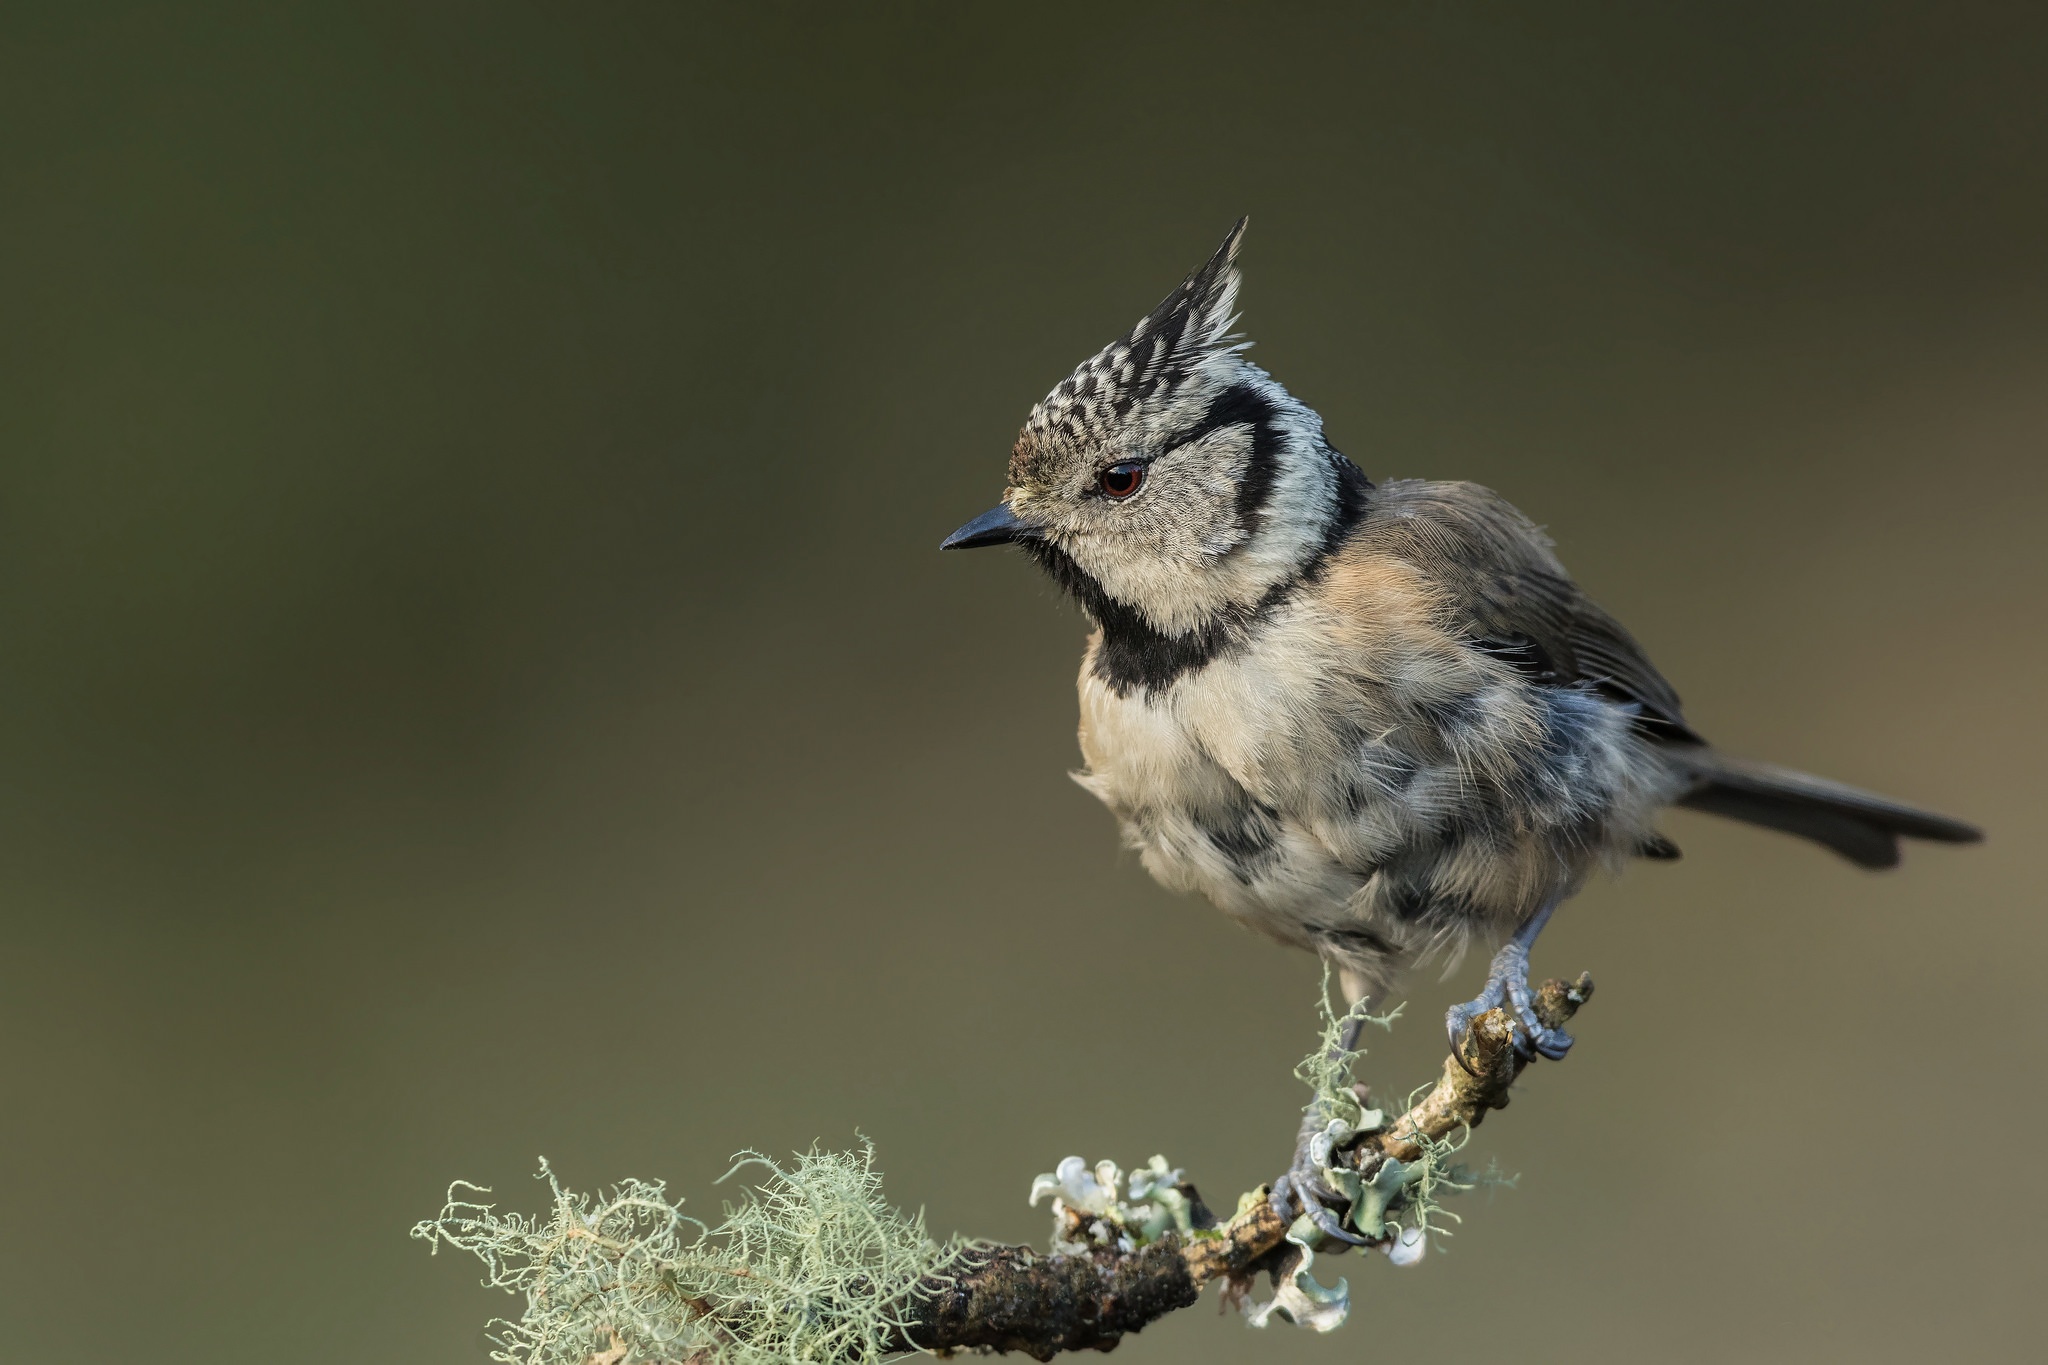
[[1009, 1299]]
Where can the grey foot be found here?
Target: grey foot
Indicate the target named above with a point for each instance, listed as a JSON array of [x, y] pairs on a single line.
[[1507, 987], [1306, 1189]]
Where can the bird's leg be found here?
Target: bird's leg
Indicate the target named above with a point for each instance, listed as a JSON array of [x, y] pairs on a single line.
[[1306, 1188], [1507, 987]]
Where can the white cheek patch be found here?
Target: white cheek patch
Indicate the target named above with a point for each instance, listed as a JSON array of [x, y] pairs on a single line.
[[1178, 554]]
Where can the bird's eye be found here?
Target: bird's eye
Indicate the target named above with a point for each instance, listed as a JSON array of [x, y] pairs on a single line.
[[1119, 481]]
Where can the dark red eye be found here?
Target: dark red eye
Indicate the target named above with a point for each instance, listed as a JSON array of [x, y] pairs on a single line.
[[1121, 480]]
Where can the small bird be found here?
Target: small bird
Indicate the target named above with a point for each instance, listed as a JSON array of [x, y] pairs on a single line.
[[1375, 721]]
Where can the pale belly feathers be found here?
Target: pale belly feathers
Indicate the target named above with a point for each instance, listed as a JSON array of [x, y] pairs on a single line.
[[1375, 791]]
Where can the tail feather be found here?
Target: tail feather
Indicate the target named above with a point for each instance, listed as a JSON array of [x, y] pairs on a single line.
[[1862, 827]]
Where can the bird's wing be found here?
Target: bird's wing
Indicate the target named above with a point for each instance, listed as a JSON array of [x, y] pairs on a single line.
[[1515, 599]]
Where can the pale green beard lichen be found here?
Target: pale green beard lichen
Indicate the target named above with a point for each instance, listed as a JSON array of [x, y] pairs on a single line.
[[812, 1266], [1327, 1070], [1418, 1208]]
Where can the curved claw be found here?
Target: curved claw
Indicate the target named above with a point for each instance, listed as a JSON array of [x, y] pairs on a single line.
[[1507, 987], [1291, 1202], [1533, 1036], [1458, 1023], [1326, 1222]]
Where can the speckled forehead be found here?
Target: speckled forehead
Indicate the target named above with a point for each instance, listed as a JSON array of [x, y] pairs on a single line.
[[1051, 444]]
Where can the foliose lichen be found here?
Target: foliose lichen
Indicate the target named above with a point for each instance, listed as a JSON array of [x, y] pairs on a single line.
[[1396, 1204], [1097, 1207]]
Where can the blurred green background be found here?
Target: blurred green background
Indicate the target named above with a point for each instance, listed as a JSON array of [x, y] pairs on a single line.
[[477, 680]]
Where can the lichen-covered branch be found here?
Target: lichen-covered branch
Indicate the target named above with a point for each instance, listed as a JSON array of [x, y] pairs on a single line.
[[1476, 1079], [814, 1266], [1042, 1306], [1004, 1298]]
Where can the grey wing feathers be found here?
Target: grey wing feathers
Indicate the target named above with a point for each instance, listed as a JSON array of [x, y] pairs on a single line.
[[1609, 657], [1518, 600]]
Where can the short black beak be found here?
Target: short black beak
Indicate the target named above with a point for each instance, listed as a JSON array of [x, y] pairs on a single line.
[[997, 526]]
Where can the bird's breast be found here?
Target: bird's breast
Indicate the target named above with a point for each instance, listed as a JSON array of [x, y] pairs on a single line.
[[1316, 775]]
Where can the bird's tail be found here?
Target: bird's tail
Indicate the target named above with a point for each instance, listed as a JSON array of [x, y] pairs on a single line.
[[1862, 827]]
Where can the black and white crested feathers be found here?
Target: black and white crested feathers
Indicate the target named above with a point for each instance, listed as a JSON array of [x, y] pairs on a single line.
[[1165, 351], [1241, 493]]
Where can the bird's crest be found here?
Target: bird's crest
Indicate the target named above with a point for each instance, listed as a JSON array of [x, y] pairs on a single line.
[[1189, 326]]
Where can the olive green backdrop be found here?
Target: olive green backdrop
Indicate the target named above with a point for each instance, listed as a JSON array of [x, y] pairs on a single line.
[[477, 679]]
